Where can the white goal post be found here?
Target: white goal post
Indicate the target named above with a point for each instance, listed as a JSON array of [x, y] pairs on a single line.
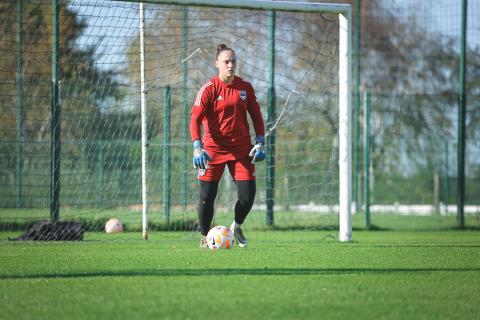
[[344, 85]]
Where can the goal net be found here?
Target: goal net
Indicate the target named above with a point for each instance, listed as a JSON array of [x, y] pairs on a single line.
[[295, 55]]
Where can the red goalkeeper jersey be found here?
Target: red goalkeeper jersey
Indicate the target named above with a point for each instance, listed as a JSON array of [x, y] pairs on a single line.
[[221, 109]]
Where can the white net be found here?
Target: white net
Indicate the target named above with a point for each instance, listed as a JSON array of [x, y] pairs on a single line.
[[99, 73]]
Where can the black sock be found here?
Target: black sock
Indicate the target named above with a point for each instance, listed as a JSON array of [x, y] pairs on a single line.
[[246, 195], [208, 192]]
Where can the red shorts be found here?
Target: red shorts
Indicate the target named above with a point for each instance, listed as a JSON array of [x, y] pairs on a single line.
[[239, 169]]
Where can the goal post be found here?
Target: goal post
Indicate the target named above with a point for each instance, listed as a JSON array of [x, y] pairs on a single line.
[[345, 126], [344, 84], [143, 112]]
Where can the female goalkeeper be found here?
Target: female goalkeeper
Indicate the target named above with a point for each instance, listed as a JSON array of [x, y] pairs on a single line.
[[221, 108]]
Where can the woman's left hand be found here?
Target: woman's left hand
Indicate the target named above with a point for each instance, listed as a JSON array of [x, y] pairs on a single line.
[[258, 151]]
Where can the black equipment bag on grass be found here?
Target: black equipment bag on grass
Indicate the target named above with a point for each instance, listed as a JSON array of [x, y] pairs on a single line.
[[53, 231]]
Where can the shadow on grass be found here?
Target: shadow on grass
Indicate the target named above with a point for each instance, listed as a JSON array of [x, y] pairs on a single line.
[[372, 227], [315, 228], [466, 228], [234, 272], [98, 225], [437, 228]]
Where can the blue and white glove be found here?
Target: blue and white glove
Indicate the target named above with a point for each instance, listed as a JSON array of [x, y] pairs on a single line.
[[200, 156], [258, 151]]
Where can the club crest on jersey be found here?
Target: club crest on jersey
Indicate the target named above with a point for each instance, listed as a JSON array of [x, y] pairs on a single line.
[[243, 95]]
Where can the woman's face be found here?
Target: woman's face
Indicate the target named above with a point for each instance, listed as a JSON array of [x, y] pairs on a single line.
[[226, 64]]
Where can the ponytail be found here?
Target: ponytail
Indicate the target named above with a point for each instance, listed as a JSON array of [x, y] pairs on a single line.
[[223, 47]]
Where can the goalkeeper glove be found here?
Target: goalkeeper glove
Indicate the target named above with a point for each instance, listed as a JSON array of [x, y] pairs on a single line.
[[258, 151], [200, 156]]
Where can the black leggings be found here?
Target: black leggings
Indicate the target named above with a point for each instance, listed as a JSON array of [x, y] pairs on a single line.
[[208, 191]]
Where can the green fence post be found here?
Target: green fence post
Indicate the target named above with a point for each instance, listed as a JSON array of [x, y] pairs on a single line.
[[55, 124], [20, 115], [366, 156], [166, 154], [462, 106], [445, 178], [185, 108], [356, 121], [100, 178], [270, 161]]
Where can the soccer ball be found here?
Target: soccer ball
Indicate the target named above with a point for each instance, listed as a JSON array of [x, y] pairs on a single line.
[[113, 226], [220, 237]]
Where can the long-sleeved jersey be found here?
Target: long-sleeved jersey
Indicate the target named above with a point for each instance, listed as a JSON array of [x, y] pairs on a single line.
[[221, 109]]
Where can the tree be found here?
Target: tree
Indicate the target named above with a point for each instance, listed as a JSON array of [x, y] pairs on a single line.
[[83, 84], [413, 75]]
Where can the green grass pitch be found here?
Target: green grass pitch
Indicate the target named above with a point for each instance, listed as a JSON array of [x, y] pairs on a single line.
[[282, 275]]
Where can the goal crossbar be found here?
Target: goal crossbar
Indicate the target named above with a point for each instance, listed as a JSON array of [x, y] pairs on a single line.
[[339, 8]]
